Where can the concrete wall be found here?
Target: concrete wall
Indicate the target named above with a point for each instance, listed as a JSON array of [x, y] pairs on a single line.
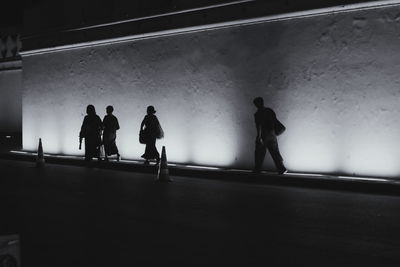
[[332, 80]]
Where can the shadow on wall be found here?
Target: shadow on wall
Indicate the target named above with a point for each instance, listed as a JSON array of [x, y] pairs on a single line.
[[255, 59]]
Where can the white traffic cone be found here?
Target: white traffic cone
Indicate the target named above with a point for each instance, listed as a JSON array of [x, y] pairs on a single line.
[[163, 172], [40, 157]]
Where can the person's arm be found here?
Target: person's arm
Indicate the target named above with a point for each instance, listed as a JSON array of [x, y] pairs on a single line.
[[258, 128], [82, 132], [141, 125], [258, 137], [274, 119], [116, 124]]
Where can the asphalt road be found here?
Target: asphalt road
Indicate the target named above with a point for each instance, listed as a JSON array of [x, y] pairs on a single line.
[[76, 216]]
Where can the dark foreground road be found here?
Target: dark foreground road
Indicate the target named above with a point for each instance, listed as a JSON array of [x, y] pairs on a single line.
[[75, 216]]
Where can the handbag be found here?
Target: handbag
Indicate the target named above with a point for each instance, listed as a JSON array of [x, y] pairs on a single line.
[[160, 132], [143, 137], [279, 127]]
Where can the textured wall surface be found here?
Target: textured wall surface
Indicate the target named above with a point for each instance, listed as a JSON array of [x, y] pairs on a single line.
[[332, 80], [10, 101]]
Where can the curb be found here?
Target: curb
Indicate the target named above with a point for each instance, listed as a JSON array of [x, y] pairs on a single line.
[[385, 186]]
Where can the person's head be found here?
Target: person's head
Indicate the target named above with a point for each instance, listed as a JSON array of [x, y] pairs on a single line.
[[258, 102], [109, 110], [90, 110], [150, 110]]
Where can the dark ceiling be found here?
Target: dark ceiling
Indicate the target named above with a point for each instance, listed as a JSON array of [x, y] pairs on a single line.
[[50, 14]]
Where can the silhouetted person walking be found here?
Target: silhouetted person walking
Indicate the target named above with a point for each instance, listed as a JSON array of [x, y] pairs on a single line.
[[110, 127], [91, 131], [150, 130], [268, 127]]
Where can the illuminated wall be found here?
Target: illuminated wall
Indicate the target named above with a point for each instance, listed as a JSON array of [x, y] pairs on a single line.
[[332, 80]]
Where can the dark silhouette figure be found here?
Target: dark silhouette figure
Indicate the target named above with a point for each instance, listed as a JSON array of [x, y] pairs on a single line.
[[267, 129], [110, 127], [91, 131], [150, 130]]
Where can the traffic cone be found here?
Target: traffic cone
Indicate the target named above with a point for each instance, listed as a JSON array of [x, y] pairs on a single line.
[[163, 172], [40, 158]]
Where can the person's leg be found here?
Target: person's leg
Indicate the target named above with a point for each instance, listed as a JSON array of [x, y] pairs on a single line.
[[151, 151], [98, 151], [110, 149], [116, 150], [259, 155], [158, 157], [87, 153], [146, 154], [154, 152], [106, 149], [91, 151], [273, 149]]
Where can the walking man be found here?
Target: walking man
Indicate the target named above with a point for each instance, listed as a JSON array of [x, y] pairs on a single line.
[[268, 127]]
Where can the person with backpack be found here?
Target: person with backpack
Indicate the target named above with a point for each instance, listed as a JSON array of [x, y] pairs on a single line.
[[268, 127]]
